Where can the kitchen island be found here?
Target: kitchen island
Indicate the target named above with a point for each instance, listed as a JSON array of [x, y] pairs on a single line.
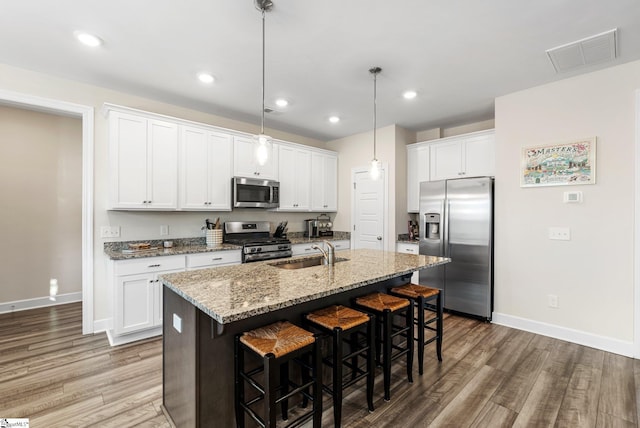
[[204, 309]]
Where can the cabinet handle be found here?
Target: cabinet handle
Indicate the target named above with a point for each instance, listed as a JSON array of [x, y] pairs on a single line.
[[409, 250], [153, 266], [216, 258], [308, 249]]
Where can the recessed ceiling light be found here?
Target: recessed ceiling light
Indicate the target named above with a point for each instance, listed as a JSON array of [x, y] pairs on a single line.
[[206, 78], [88, 39], [281, 102], [409, 95], [334, 119]]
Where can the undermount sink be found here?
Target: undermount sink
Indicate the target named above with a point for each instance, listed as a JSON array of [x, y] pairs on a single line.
[[299, 264]]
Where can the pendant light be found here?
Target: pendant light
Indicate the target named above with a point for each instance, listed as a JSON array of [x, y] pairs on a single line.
[[375, 163], [262, 142]]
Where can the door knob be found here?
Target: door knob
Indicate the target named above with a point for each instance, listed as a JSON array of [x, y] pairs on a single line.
[[379, 238]]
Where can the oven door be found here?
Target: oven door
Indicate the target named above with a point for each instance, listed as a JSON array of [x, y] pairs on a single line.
[[255, 193]]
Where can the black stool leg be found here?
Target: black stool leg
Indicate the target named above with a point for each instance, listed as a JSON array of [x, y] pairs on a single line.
[[270, 379], [420, 309], [439, 324], [239, 382], [337, 376], [284, 384], [409, 321], [387, 319], [317, 387], [353, 346], [371, 363]]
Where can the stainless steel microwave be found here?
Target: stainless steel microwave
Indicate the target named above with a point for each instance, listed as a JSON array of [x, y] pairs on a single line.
[[255, 193]]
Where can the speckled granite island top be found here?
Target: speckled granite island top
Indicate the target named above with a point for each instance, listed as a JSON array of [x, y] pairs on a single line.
[[232, 293]]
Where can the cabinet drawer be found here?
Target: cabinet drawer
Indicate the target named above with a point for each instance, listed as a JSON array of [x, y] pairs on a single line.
[[213, 259], [343, 244], [149, 264], [302, 249], [403, 247]]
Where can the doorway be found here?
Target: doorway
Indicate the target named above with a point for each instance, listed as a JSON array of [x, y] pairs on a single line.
[[369, 210], [86, 114]]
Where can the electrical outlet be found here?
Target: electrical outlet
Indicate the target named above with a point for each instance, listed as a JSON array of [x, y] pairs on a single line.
[[110, 231], [553, 300], [560, 233], [164, 230]]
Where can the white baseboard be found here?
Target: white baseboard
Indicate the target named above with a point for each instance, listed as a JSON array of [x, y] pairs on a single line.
[[39, 302], [591, 340], [101, 325], [115, 340]]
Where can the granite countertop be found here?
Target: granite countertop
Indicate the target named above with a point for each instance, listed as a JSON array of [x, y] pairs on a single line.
[[114, 250], [232, 293]]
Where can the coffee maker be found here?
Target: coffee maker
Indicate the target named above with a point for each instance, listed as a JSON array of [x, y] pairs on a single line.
[[318, 227]]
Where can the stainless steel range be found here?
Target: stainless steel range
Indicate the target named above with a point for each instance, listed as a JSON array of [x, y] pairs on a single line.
[[256, 240]]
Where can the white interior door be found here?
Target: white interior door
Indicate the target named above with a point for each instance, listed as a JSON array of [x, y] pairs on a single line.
[[368, 211]]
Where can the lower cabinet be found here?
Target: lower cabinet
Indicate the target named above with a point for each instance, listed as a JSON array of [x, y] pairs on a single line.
[[137, 291], [306, 248], [409, 248]]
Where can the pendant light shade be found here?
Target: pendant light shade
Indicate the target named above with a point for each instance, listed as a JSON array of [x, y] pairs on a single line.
[[262, 143], [374, 171]]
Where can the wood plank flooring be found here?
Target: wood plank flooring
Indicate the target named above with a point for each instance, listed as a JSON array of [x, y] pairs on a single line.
[[491, 376]]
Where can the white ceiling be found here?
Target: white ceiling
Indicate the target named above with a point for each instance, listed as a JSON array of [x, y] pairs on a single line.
[[457, 54]]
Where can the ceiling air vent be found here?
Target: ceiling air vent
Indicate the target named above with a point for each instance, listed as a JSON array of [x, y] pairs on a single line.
[[591, 50]]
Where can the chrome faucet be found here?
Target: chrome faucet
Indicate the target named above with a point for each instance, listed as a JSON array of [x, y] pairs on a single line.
[[329, 255]]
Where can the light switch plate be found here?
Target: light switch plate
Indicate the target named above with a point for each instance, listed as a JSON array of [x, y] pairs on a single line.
[[560, 233], [177, 323], [164, 230], [110, 231]]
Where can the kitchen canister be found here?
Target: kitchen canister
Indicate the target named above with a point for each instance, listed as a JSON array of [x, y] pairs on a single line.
[[214, 237]]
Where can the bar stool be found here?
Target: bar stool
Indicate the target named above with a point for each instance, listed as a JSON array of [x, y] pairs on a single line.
[[278, 344], [421, 296], [385, 307], [346, 325]]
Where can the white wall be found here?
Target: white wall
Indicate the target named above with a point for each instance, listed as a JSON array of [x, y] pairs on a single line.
[[133, 225], [592, 274]]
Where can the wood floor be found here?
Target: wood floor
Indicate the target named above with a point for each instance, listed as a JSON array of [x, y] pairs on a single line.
[[491, 376]]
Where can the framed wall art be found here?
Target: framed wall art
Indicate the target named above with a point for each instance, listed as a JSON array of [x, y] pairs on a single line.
[[561, 164]]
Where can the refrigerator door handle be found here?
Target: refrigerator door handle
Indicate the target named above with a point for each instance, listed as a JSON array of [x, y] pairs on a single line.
[[446, 246]]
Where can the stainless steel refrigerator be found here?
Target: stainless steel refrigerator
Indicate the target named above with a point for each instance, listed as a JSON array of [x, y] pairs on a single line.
[[456, 221]]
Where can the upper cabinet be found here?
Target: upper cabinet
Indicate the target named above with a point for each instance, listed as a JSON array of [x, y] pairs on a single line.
[[143, 164], [245, 164], [417, 172], [462, 156], [205, 169], [469, 155], [295, 178], [324, 182]]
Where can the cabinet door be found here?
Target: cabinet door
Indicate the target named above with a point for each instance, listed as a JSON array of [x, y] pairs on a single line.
[[134, 306], [128, 160], [244, 161], [417, 172], [446, 160], [194, 169], [479, 155], [295, 178], [220, 148], [324, 179], [408, 248], [162, 164], [157, 296]]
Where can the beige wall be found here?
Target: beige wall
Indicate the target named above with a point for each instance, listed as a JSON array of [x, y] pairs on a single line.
[[41, 186], [592, 274], [133, 225]]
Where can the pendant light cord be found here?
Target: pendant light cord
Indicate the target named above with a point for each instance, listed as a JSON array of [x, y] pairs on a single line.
[[375, 71], [263, 71]]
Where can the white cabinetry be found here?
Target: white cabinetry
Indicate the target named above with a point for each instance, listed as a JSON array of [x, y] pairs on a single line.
[[469, 155], [143, 163], [302, 249], [409, 248], [324, 182], [295, 178], [343, 244], [245, 164], [213, 259], [138, 294], [417, 172], [205, 169]]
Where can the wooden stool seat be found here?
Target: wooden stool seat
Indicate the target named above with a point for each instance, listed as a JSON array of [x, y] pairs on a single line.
[[414, 291], [380, 302], [279, 339], [338, 316]]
